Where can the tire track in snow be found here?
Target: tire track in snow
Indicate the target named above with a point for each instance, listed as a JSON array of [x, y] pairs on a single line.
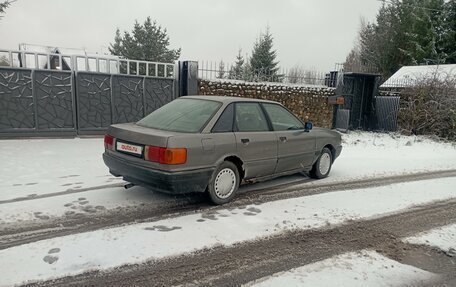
[[18, 234], [68, 191], [248, 187], [246, 262]]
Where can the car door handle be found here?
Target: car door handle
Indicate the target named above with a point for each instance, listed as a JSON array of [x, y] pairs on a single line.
[[245, 141], [283, 139]]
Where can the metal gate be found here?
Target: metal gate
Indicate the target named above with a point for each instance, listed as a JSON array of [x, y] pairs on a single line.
[[387, 109], [358, 110], [342, 119], [87, 97]]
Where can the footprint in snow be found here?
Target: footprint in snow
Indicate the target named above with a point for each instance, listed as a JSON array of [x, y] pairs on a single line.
[[210, 216], [71, 175], [39, 215], [54, 250], [254, 209], [163, 228], [50, 259]]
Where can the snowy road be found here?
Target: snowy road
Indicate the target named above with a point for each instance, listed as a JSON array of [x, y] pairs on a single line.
[[234, 265], [62, 214]]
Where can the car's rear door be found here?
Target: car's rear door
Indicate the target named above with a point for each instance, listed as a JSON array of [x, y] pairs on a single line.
[[296, 147], [255, 141]]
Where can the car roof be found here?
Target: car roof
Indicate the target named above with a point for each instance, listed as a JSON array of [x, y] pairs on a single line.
[[227, 100]]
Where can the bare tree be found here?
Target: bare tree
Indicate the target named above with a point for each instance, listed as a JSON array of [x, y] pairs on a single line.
[[299, 75], [296, 74]]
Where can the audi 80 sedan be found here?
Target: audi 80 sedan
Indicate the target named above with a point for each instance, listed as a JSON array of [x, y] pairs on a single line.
[[213, 144]]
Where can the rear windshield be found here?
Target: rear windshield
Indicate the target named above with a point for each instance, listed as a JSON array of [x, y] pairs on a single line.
[[182, 115]]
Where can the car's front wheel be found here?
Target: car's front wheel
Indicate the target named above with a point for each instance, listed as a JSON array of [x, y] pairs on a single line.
[[322, 166], [224, 183]]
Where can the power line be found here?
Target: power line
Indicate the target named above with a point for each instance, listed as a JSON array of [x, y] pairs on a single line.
[[411, 5]]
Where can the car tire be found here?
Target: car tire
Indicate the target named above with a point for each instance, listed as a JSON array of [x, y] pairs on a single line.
[[322, 166], [224, 183]]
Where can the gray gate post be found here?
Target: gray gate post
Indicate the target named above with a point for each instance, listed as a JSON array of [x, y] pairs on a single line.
[[188, 78]]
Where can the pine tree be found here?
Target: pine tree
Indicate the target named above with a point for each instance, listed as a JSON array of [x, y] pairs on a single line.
[[382, 42], [423, 31], [263, 60], [221, 70], [448, 40], [360, 57], [147, 42], [247, 73], [116, 47], [409, 32], [237, 70], [3, 6]]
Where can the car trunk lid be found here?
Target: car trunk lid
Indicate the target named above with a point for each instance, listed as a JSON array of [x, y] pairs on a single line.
[[135, 134]]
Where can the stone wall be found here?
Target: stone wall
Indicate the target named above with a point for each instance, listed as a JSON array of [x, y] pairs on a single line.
[[310, 103]]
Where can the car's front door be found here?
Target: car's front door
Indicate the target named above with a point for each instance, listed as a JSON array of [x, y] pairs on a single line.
[[296, 147], [255, 142]]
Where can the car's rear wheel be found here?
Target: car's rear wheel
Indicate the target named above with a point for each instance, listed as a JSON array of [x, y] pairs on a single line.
[[322, 166], [224, 183]]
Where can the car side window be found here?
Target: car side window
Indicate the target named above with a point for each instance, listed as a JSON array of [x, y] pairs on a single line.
[[250, 118], [224, 123], [281, 118]]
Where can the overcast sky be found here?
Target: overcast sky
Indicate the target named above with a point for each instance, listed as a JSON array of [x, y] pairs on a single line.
[[313, 33]]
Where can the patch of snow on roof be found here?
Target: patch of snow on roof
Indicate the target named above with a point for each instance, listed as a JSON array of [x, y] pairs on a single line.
[[408, 75]]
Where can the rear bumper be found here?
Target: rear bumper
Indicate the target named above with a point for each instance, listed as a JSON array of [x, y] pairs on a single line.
[[168, 182]]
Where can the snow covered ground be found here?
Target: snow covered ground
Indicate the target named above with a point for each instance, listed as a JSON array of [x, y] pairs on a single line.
[[367, 154], [137, 243], [34, 167], [364, 268], [48, 167], [39, 167], [443, 238]]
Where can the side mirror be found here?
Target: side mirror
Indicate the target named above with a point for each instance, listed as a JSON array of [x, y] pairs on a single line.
[[308, 126]]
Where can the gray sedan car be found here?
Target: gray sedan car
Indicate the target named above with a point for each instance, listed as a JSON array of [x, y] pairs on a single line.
[[213, 144]]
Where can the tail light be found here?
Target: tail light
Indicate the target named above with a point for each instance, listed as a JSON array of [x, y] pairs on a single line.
[[109, 142], [165, 155]]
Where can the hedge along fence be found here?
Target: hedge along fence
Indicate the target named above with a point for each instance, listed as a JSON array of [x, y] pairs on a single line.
[[429, 108], [310, 103]]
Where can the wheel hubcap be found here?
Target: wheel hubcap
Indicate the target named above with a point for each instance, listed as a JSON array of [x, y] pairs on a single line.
[[325, 163], [225, 182]]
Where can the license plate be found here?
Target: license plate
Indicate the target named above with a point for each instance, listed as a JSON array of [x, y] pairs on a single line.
[[129, 148]]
